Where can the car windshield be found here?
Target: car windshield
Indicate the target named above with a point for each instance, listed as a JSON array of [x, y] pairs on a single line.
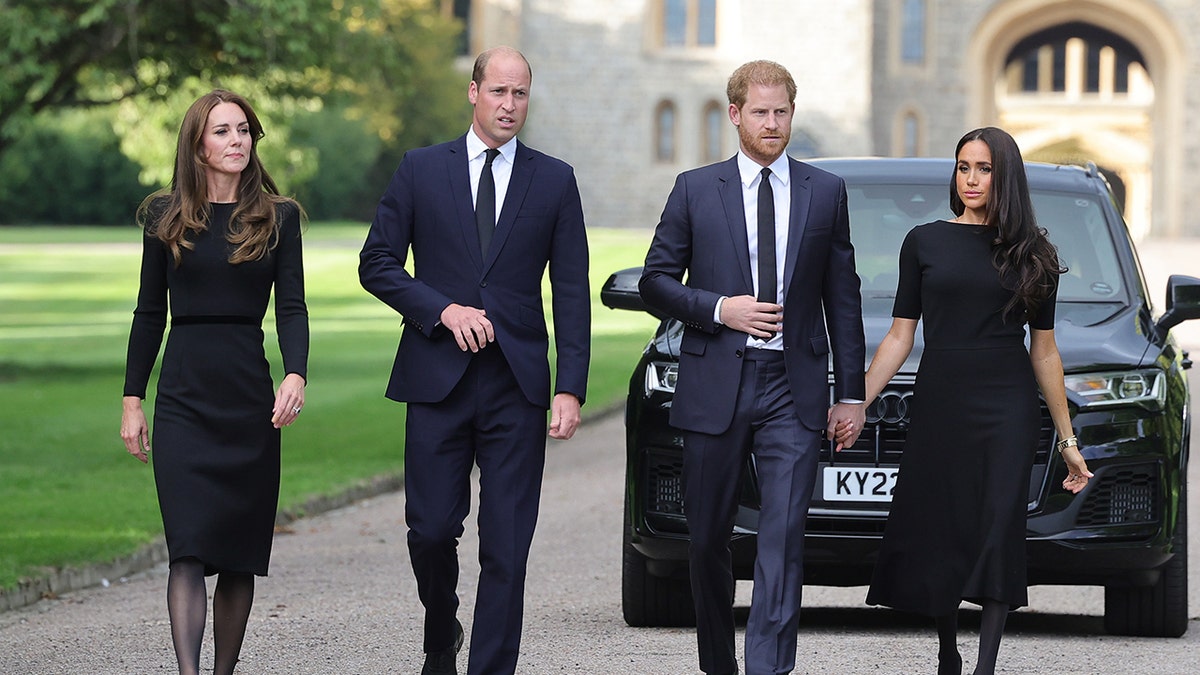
[[881, 215]]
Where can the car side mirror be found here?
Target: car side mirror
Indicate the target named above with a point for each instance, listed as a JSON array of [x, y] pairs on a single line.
[[621, 292], [1183, 302]]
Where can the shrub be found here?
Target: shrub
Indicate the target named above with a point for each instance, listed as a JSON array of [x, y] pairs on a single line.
[[69, 169]]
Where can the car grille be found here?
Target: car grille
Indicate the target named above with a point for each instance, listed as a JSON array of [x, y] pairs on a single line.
[[882, 439], [664, 483], [1125, 496]]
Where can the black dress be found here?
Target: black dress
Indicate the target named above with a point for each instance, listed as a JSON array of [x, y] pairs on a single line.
[[215, 451], [956, 530]]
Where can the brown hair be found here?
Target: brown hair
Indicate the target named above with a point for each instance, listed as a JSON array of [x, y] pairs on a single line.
[[766, 73], [183, 209]]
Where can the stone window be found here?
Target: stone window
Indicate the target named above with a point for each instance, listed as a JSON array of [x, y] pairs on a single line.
[[912, 32], [714, 131], [664, 132], [909, 134], [688, 23]]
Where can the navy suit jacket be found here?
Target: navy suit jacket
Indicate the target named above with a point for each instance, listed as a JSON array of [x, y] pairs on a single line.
[[428, 208], [703, 232]]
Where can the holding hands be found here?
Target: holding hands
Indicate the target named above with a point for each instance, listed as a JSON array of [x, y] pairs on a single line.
[[846, 422]]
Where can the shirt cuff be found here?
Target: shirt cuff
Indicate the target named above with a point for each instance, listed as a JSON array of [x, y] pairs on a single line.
[[853, 401], [717, 311]]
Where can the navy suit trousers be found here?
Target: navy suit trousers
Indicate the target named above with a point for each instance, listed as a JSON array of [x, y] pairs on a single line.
[[485, 420], [785, 452]]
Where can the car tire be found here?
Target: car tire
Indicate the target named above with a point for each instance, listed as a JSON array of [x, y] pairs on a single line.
[[648, 600], [1160, 610]]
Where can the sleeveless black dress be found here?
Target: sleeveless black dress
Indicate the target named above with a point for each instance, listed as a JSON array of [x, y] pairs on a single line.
[[956, 530], [215, 451]]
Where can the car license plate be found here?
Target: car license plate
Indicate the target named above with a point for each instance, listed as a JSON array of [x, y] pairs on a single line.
[[859, 483]]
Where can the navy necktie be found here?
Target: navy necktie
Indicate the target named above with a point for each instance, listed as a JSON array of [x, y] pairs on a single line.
[[485, 203]]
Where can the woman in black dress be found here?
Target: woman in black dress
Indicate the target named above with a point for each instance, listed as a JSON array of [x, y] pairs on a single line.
[[956, 530], [215, 244]]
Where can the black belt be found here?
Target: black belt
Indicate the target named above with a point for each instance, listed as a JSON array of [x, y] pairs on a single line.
[[753, 354], [200, 319]]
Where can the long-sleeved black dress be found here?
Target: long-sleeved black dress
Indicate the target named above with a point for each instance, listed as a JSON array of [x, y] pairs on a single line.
[[215, 451], [956, 530]]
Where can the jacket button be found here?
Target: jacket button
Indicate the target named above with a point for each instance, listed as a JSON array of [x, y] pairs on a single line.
[[483, 284], [738, 353]]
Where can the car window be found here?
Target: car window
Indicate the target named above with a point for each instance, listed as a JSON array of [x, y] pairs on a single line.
[[881, 215], [1077, 226]]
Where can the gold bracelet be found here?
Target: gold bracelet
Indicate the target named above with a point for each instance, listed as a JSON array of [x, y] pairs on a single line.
[[1068, 442]]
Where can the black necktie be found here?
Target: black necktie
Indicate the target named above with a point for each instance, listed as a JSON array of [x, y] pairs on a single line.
[[485, 203], [766, 239]]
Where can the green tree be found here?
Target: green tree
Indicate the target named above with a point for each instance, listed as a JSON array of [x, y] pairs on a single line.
[[400, 84], [81, 53], [69, 169], [387, 65]]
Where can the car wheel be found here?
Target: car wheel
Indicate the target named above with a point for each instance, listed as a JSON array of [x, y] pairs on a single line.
[[1159, 610], [649, 600]]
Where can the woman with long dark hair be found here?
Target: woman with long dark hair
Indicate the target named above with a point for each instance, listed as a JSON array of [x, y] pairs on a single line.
[[215, 245], [956, 530]]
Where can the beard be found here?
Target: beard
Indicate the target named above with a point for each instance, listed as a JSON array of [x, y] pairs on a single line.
[[759, 149]]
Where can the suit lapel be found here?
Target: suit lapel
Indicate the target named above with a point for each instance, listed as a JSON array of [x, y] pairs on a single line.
[[518, 185], [797, 220], [730, 189], [460, 191]]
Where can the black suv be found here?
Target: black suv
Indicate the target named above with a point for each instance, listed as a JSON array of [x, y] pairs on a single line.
[[1126, 386]]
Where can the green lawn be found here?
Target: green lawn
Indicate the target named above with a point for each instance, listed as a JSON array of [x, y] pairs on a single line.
[[70, 494]]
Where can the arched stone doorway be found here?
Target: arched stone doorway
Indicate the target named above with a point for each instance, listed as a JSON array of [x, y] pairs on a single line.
[[1089, 80], [1071, 152]]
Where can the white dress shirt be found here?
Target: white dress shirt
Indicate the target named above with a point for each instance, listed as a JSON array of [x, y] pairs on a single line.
[[501, 166]]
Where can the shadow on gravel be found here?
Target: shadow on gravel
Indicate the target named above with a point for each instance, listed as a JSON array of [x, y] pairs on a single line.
[[840, 619]]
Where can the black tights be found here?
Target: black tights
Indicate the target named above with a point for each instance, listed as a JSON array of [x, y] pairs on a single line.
[[949, 660], [187, 605], [991, 629]]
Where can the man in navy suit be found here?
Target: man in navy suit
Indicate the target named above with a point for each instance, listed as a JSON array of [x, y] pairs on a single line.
[[770, 289], [484, 216]]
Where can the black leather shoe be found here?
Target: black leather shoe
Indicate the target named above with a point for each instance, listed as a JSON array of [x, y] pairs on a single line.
[[950, 665], [442, 662]]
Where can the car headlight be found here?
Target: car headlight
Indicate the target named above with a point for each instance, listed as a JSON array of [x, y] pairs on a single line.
[[1146, 388], [661, 376]]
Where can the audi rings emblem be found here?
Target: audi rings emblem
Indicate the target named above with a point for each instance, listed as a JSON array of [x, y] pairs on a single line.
[[891, 407]]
